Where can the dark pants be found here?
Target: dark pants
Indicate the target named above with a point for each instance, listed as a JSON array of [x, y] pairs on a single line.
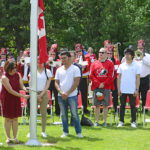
[[132, 105], [53, 89], [144, 86], [83, 87], [28, 101], [115, 96]]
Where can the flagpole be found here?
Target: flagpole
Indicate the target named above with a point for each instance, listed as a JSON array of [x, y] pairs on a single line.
[[33, 64]]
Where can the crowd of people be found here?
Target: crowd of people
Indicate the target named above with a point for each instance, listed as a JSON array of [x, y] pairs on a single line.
[[69, 73]]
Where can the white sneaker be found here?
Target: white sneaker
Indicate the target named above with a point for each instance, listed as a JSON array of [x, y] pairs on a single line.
[[44, 135], [133, 125], [120, 124], [80, 135], [64, 135], [28, 135]]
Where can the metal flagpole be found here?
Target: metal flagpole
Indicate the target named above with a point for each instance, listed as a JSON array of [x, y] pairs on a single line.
[[33, 64]]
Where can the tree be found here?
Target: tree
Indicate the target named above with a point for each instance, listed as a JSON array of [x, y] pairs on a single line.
[[15, 21]]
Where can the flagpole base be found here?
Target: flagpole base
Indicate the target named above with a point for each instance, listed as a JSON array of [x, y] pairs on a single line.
[[33, 142]]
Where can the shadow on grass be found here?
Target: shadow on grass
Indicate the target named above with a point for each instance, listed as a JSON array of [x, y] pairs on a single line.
[[54, 140], [70, 148], [11, 145], [92, 128], [127, 127], [86, 138]]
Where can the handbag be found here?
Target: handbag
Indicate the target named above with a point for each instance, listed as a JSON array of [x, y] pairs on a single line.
[[86, 122]]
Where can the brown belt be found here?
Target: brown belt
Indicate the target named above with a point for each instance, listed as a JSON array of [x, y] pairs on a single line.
[[25, 82], [52, 78], [85, 76]]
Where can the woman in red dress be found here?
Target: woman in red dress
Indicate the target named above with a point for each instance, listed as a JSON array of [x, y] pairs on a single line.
[[11, 84]]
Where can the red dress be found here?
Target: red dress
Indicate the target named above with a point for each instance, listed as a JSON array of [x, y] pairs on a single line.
[[11, 104]]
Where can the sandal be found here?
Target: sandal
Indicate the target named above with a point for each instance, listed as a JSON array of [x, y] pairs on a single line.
[[16, 141], [8, 141]]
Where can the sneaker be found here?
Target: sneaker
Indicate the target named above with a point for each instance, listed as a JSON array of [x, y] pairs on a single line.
[[120, 124], [96, 124], [133, 125], [16, 141], [44, 135], [8, 141], [104, 124], [79, 135], [28, 135], [64, 135]]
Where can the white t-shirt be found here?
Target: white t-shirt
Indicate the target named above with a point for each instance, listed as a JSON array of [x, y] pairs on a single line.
[[128, 77], [66, 78], [25, 76], [144, 65], [42, 78]]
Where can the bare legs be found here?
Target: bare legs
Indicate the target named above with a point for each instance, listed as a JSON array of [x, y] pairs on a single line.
[[97, 113], [8, 123], [105, 111], [11, 123], [15, 127]]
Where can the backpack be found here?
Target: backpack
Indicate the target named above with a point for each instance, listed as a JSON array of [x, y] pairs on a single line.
[[86, 122]]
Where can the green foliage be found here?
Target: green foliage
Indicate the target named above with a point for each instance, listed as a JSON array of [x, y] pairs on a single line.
[[14, 23], [72, 21]]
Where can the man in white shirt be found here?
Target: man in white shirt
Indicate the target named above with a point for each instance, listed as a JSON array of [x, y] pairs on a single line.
[[66, 82], [144, 63], [128, 85]]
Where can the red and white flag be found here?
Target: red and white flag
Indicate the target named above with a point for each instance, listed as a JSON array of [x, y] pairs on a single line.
[[43, 56]]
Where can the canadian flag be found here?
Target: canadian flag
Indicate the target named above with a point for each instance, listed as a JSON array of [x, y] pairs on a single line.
[[43, 56]]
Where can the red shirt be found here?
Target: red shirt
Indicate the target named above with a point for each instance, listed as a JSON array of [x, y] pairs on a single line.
[[117, 63], [102, 72], [19, 66], [87, 58], [93, 57]]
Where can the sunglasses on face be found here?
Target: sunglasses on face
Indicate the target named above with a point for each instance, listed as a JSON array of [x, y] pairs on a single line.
[[102, 52]]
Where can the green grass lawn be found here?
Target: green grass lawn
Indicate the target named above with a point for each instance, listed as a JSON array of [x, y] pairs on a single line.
[[95, 138]]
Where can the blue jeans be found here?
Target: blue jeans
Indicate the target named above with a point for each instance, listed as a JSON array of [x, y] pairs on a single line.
[[72, 102]]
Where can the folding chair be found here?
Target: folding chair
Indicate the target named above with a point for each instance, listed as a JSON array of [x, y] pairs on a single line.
[[49, 106], [101, 107], [147, 106], [23, 105], [137, 105]]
